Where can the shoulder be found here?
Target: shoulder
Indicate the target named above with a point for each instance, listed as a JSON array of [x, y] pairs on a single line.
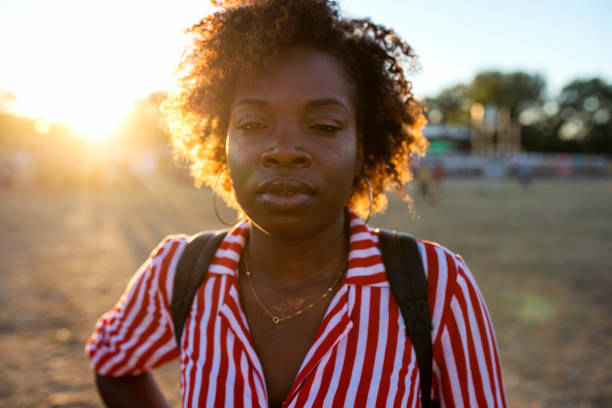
[[444, 267], [440, 264], [164, 257], [167, 253], [159, 269], [169, 247], [445, 271], [438, 260], [129, 339]]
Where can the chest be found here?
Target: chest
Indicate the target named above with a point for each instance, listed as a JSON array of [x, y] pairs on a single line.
[[356, 352], [281, 347]]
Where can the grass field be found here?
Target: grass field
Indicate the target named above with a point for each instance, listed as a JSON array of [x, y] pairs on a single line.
[[542, 257]]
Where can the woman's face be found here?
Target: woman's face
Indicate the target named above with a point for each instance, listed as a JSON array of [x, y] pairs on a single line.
[[292, 146]]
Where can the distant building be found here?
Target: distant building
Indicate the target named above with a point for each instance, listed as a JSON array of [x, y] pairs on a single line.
[[444, 139]]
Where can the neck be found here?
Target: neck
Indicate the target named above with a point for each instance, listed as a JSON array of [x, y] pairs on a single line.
[[296, 262]]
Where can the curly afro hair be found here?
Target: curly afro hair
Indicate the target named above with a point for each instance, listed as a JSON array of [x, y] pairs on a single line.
[[233, 43]]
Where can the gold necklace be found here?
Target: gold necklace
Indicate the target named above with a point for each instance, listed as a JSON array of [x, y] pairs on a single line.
[[276, 319]]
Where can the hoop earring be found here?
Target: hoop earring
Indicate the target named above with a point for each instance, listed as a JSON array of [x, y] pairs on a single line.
[[371, 199], [214, 199]]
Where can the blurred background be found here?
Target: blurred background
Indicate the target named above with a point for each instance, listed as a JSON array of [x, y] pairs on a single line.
[[518, 178]]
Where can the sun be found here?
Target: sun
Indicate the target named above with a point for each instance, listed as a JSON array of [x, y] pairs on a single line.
[[97, 118], [84, 64], [80, 73], [94, 114]]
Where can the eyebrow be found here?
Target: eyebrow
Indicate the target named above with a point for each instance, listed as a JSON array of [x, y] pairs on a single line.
[[251, 102], [325, 102], [315, 103]]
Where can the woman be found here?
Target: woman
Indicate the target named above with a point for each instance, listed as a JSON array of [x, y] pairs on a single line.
[[300, 119]]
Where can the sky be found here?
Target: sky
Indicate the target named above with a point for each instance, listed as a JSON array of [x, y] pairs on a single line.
[[84, 62]]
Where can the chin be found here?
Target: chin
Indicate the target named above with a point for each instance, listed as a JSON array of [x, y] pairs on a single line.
[[293, 224], [284, 225]]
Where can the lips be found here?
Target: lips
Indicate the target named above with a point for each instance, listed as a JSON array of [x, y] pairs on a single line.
[[285, 193], [285, 185]]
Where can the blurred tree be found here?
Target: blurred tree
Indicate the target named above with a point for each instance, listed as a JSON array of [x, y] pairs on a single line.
[[584, 116], [515, 90], [450, 106]]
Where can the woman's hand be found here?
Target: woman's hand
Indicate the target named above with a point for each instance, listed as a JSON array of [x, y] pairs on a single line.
[[130, 391]]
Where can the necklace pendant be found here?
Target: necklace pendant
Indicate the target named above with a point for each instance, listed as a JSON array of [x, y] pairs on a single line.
[[276, 319]]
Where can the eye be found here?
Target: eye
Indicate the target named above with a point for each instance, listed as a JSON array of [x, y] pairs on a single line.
[[251, 126], [323, 127], [327, 126], [249, 123]]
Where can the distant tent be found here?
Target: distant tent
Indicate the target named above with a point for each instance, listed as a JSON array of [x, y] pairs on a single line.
[[447, 139]]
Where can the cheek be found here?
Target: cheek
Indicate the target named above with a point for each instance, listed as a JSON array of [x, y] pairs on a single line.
[[238, 167], [237, 155], [343, 165], [230, 151], [346, 156]]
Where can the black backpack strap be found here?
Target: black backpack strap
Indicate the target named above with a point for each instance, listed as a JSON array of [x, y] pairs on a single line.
[[190, 273], [406, 275]]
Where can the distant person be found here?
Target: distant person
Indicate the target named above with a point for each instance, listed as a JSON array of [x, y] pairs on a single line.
[[301, 119], [423, 177], [525, 175], [438, 177]]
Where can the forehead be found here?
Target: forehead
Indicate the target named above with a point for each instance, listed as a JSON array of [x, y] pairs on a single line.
[[299, 74]]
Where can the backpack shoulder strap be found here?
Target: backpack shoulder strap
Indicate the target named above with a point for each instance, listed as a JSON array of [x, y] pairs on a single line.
[[190, 273], [406, 275]]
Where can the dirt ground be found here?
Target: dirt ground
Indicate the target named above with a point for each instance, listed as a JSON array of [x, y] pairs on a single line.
[[542, 257]]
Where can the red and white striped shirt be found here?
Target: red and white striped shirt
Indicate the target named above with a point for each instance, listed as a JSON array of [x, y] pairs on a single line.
[[361, 355]]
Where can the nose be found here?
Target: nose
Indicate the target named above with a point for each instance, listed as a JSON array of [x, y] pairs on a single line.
[[285, 153], [282, 156]]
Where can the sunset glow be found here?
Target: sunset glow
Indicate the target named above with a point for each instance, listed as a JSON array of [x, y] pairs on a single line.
[[90, 112], [84, 64]]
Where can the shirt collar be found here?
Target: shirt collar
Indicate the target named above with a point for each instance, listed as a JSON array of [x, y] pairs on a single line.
[[365, 267]]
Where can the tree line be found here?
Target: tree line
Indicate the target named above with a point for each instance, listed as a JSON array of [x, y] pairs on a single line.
[[577, 120]]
